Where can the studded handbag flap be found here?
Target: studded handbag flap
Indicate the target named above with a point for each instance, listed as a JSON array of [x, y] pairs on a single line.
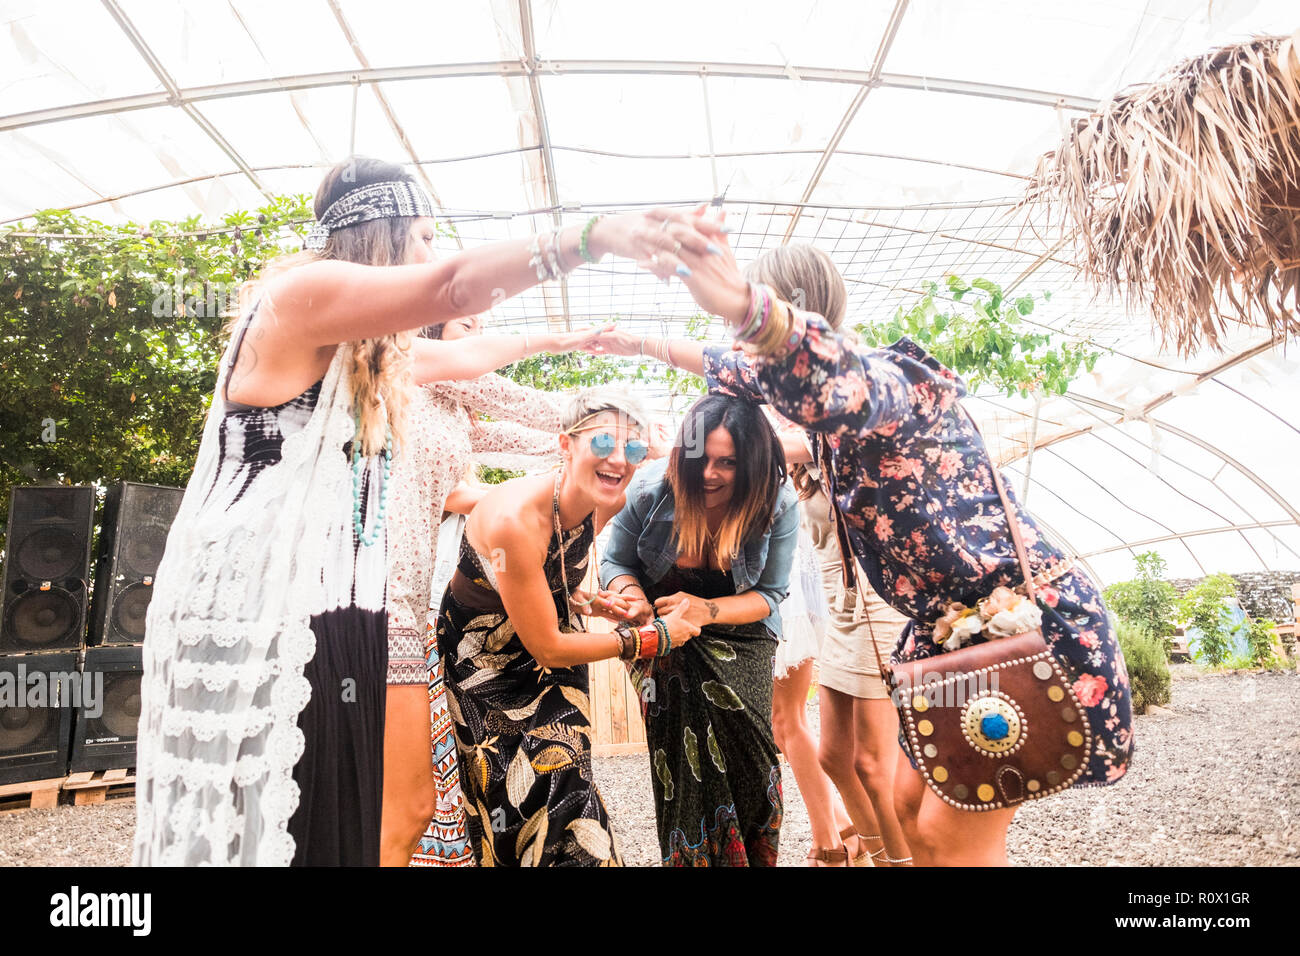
[[993, 724]]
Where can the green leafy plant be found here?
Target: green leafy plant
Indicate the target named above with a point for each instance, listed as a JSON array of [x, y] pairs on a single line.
[[110, 337], [983, 338], [1261, 634], [1148, 666], [1204, 608], [1148, 600]]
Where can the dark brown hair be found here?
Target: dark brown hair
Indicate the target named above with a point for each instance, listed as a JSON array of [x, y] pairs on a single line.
[[760, 473]]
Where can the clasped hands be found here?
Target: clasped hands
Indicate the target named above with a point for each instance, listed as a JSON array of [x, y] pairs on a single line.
[[635, 608], [690, 244]]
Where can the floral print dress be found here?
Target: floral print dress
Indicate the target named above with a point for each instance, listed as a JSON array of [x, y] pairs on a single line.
[[911, 478]]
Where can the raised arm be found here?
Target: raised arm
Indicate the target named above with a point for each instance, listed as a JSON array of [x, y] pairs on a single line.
[[504, 400], [324, 303], [685, 354], [433, 360], [508, 438]]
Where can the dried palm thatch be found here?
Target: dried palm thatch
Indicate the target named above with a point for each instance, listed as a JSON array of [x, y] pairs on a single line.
[[1185, 193]]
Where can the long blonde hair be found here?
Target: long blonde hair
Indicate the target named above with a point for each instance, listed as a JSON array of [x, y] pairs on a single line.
[[381, 367], [807, 278]]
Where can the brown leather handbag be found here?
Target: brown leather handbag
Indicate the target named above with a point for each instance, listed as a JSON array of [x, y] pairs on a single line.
[[995, 724]]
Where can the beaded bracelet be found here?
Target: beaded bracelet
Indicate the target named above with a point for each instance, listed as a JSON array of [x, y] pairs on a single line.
[[760, 308], [630, 584], [583, 249], [665, 639]]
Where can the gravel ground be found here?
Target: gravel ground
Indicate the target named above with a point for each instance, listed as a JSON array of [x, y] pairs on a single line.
[[1216, 782]]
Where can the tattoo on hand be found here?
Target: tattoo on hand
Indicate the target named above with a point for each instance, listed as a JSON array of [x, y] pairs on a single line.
[[713, 610]]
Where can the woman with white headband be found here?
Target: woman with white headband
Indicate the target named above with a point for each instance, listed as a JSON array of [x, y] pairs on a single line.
[[261, 730]]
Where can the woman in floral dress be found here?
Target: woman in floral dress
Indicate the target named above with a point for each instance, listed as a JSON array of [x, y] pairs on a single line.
[[915, 501]]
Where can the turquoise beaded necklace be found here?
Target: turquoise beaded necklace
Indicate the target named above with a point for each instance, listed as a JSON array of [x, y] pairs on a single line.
[[358, 466]]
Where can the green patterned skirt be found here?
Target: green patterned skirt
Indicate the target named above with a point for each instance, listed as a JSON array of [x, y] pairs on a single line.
[[708, 716]]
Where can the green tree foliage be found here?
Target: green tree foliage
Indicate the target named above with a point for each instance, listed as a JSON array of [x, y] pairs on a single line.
[[109, 342], [1203, 608], [1148, 665], [1148, 601], [984, 339]]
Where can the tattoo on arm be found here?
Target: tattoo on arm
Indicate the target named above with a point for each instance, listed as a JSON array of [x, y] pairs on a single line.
[[713, 609]]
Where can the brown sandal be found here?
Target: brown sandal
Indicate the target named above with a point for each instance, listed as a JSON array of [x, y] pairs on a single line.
[[864, 858], [822, 855]]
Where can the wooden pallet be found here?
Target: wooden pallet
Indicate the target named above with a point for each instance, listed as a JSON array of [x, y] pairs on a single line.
[[31, 795], [92, 787]]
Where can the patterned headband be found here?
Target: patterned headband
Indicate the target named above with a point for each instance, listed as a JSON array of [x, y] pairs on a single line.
[[376, 201]]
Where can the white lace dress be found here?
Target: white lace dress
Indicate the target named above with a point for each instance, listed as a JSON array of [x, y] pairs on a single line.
[[444, 441], [261, 726]]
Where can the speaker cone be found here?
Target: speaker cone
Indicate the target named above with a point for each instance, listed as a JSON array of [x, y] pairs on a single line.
[[20, 727], [143, 549], [47, 554], [129, 611], [38, 619], [121, 706]]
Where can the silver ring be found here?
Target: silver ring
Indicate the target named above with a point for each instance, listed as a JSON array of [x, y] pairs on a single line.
[[663, 226], [677, 247]]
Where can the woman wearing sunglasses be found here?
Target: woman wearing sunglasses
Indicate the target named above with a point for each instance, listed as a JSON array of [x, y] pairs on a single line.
[[713, 530], [516, 658]]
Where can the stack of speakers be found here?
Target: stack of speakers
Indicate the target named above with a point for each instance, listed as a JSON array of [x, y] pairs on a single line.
[[76, 707]]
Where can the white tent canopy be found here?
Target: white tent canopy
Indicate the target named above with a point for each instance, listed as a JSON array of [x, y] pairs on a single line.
[[896, 135]]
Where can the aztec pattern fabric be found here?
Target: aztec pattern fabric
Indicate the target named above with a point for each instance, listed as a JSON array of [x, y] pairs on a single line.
[[262, 581], [446, 840], [911, 477], [523, 730], [376, 201], [708, 717]]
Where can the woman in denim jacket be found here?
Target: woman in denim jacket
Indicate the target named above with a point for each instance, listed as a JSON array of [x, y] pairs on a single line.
[[717, 525]]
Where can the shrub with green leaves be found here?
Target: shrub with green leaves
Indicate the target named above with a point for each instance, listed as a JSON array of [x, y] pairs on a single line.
[[1148, 667], [1261, 634], [1204, 608], [110, 337], [983, 339], [1148, 600]]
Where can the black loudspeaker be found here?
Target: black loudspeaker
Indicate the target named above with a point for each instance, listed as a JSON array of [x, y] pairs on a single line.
[[131, 542], [47, 564], [105, 726], [37, 692]]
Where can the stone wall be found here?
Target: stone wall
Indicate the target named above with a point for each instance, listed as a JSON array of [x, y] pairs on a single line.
[[1264, 594]]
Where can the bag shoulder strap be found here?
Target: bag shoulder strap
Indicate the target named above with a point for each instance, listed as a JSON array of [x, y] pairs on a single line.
[[1013, 526]]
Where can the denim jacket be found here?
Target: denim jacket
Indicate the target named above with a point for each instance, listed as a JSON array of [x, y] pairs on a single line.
[[641, 542]]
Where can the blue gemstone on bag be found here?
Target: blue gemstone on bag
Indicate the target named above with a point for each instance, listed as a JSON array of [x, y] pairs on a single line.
[[994, 726]]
